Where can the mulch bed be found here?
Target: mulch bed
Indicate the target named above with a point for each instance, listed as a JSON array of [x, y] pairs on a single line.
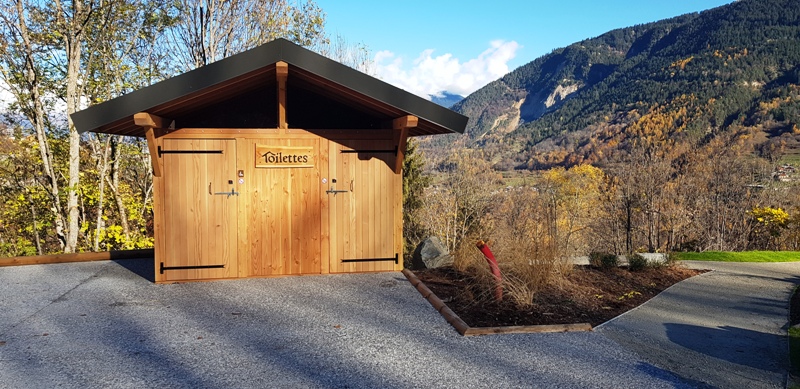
[[586, 295]]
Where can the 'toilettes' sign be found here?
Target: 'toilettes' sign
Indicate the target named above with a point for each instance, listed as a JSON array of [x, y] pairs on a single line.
[[284, 156]]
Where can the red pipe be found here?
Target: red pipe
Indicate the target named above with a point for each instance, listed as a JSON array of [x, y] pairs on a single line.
[[498, 290]]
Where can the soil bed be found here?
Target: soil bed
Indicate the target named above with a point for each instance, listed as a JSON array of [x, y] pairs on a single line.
[[587, 295]]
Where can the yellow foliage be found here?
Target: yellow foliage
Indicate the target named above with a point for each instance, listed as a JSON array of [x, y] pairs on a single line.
[[770, 216], [681, 63], [766, 106]]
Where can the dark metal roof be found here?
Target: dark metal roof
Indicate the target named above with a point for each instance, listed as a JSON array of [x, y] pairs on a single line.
[[254, 69]]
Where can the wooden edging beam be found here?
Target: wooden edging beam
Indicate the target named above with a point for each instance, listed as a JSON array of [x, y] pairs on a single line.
[[437, 303], [401, 126], [282, 74], [466, 330], [77, 257], [151, 123]]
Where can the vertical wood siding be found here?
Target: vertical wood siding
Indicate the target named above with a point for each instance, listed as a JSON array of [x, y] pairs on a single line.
[[283, 221], [362, 219], [199, 226], [282, 209]]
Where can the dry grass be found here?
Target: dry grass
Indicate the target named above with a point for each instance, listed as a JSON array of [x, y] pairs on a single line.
[[526, 250], [531, 230]]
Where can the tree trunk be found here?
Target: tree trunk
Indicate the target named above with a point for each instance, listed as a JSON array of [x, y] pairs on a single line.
[[72, 36], [35, 229], [114, 185], [73, 68], [38, 121], [628, 225], [102, 150]]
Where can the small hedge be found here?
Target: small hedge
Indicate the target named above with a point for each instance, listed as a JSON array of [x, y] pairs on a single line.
[[636, 262], [603, 260]]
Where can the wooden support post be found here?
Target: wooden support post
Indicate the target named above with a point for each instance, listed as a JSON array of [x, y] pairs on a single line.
[[401, 126], [151, 146], [151, 123], [282, 73]]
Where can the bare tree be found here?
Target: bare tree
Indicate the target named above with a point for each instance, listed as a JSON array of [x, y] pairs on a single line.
[[211, 30], [357, 56]]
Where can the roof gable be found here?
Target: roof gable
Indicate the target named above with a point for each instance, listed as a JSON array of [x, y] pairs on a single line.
[[254, 70]]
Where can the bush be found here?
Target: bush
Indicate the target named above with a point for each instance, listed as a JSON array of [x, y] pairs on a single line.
[[636, 262], [528, 255], [603, 260]]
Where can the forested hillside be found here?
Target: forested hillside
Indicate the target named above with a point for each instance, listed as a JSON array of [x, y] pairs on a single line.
[[682, 79], [680, 134]]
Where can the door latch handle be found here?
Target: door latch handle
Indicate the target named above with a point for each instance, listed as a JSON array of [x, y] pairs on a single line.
[[229, 194], [334, 191]]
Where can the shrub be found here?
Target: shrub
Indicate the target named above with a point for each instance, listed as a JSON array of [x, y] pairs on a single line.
[[636, 262], [594, 258], [603, 260], [528, 255]]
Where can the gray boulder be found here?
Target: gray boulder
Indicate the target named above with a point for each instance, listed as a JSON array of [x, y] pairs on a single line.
[[430, 254]]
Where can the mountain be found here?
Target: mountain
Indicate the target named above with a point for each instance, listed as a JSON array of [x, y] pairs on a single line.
[[681, 80], [447, 100]]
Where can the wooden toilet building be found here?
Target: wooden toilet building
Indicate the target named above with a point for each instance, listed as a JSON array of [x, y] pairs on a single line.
[[275, 161]]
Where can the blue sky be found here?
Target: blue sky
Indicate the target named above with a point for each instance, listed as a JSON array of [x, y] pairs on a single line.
[[427, 47]]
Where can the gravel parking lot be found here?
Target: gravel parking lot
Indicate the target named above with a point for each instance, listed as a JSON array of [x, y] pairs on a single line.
[[101, 324]]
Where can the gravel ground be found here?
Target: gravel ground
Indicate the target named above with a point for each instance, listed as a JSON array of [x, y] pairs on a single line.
[[99, 324], [724, 329]]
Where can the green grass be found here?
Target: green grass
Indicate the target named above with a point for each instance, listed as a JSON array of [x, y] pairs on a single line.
[[791, 159], [743, 256]]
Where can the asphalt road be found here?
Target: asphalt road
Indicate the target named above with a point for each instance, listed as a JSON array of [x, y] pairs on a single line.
[[725, 328], [101, 324]]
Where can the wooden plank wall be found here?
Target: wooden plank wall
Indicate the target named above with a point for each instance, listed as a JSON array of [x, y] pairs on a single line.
[[285, 221], [200, 226], [282, 212], [363, 219]]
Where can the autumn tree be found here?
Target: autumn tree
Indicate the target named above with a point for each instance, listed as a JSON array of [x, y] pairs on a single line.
[[455, 207], [55, 50], [128, 63], [94, 191], [570, 202], [415, 181], [768, 224], [23, 220], [28, 78]]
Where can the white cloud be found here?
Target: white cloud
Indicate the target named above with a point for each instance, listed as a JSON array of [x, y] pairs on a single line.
[[431, 75], [6, 97]]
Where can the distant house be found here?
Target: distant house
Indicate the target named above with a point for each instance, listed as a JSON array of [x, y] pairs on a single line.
[[785, 173]]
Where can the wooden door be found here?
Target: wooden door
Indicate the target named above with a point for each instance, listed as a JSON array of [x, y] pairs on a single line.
[[200, 209], [362, 203], [283, 217]]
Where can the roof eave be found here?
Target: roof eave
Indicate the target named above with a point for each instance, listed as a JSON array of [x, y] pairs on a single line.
[[194, 81]]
